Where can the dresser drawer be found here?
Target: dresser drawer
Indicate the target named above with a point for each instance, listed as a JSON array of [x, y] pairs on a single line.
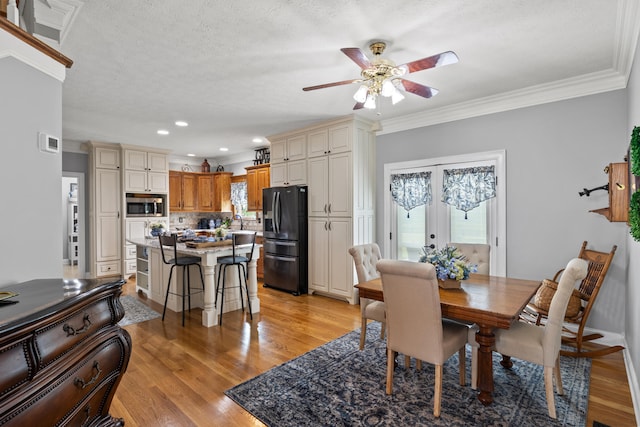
[[92, 409], [61, 397], [16, 365], [58, 338], [131, 252]]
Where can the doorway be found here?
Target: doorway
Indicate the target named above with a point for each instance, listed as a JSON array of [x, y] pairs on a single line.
[[436, 223], [73, 234]]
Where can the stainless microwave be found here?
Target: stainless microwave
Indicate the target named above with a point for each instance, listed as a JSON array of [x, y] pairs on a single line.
[[146, 205]]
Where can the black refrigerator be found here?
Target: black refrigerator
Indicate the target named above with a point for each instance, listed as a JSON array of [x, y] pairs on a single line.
[[284, 211]]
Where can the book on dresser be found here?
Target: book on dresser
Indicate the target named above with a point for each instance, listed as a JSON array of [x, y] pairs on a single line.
[[62, 352]]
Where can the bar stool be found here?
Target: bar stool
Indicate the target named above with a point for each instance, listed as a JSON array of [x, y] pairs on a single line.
[[239, 238], [183, 261]]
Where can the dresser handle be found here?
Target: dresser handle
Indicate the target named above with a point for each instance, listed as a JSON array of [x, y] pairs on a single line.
[[87, 415], [79, 382], [71, 331]]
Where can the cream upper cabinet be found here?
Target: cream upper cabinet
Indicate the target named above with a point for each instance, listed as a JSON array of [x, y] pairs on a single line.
[[318, 143], [106, 158], [145, 172], [289, 149], [340, 138], [289, 173]]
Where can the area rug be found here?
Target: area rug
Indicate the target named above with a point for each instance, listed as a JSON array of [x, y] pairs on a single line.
[[338, 385], [135, 311]]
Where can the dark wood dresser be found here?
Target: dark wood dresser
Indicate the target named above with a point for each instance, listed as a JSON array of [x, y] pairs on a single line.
[[62, 353]]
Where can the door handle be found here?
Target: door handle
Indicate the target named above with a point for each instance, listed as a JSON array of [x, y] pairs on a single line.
[[432, 246], [329, 225], [325, 225], [325, 208], [329, 207]]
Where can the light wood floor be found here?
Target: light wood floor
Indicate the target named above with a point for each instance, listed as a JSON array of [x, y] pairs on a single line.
[[177, 376]]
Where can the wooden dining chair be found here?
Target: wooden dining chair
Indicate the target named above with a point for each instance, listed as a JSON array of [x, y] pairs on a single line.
[[540, 344], [588, 290], [365, 258], [415, 326]]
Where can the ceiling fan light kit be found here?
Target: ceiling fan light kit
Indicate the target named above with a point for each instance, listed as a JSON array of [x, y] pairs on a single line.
[[381, 77]]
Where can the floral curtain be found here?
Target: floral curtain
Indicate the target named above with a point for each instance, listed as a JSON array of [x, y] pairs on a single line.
[[239, 196], [466, 188], [411, 190]]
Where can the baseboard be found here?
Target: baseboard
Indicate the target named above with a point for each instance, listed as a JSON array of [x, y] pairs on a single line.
[[633, 383]]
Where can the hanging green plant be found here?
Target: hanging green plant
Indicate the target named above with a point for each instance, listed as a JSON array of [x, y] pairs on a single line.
[[634, 216], [635, 151]]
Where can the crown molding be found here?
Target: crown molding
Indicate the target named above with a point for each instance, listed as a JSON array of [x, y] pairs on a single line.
[[589, 84]]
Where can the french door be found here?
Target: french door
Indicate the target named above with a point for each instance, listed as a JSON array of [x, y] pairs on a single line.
[[436, 224]]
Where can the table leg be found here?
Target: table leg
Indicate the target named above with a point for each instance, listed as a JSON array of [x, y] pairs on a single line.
[[486, 340]]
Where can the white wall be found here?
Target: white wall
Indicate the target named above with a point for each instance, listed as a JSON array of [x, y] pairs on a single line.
[[30, 179], [632, 320], [552, 152]]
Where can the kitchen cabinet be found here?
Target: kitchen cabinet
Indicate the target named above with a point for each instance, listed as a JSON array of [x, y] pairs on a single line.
[[158, 277], [258, 177], [63, 353], [137, 228], [340, 174], [145, 171], [330, 265], [288, 149], [288, 173], [205, 188], [330, 191], [222, 191], [183, 195], [104, 210]]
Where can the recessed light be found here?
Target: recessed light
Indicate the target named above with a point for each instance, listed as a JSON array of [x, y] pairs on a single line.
[[191, 155], [224, 149], [182, 123], [257, 140], [163, 132]]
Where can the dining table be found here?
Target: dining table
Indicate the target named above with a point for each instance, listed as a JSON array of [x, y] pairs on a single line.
[[491, 302]]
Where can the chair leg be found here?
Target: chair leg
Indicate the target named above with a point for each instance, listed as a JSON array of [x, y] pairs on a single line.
[[474, 367], [437, 395], [418, 364], [383, 326], [215, 301], [224, 280], [462, 358], [246, 288], [363, 332], [391, 357], [184, 287], [240, 286], [558, 376], [407, 362], [166, 298], [548, 387]]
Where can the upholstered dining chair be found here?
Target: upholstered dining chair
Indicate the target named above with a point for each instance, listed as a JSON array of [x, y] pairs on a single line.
[[415, 326], [540, 344], [476, 253], [365, 258]]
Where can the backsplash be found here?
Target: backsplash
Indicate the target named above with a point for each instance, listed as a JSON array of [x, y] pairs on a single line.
[[184, 220]]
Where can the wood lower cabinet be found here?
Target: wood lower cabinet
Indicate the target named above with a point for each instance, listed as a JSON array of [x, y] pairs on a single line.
[[260, 261], [258, 177], [62, 353]]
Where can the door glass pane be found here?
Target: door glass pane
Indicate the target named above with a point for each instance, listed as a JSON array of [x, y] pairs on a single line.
[[411, 232], [470, 230]]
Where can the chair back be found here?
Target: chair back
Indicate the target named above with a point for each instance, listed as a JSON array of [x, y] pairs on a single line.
[[412, 300], [169, 241], [599, 263], [476, 253], [575, 271], [243, 238], [365, 258]]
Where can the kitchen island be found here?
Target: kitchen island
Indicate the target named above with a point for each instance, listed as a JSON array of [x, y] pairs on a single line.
[[157, 272]]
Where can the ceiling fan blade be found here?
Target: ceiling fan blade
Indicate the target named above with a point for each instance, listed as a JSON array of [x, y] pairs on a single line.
[[344, 82], [418, 89], [358, 106], [444, 58], [357, 56]]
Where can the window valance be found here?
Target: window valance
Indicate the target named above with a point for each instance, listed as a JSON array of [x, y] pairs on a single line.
[[466, 188], [411, 190]]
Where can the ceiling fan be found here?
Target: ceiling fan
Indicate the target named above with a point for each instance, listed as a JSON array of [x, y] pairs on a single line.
[[383, 77]]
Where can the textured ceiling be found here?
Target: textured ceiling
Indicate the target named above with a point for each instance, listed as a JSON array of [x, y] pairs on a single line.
[[235, 69]]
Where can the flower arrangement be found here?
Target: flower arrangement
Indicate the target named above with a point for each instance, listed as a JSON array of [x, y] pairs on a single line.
[[450, 263], [157, 229]]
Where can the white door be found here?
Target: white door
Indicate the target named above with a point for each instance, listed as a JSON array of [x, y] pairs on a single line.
[[436, 224]]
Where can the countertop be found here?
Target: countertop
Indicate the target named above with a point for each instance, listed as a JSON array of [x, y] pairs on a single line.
[[152, 242], [205, 230]]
